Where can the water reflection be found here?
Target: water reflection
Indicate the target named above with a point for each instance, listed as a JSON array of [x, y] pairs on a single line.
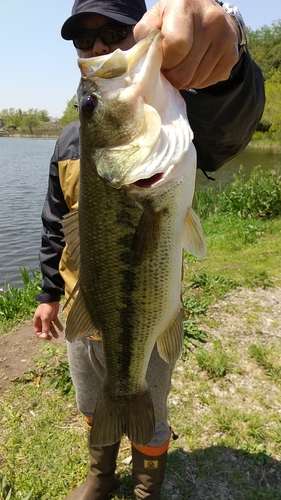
[[267, 158]]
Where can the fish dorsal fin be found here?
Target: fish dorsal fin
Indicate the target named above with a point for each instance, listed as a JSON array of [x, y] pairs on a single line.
[[79, 322], [170, 343], [193, 238], [70, 228]]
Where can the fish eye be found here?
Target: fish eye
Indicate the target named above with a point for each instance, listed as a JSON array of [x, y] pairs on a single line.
[[89, 104]]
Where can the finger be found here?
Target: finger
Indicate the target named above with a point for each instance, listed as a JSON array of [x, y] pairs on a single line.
[[41, 328], [215, 66], [37, 327], [54, 331], [58, 324], [197, 66], [212, 68], [178, 30], [149, 22], [219, 73], [44, 336]]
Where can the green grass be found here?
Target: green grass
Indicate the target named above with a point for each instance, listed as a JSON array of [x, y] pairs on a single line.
[[215, 361], [234, 260], [266, 357], [18, 304], [258, 197]]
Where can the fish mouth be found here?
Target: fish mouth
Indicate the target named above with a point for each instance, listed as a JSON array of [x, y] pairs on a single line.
[[147, 183]]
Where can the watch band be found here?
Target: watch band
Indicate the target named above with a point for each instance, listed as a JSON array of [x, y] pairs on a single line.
[[234, 12]]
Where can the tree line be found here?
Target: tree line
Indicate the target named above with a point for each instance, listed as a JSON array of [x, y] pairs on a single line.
[[24, 121], [265, 48]]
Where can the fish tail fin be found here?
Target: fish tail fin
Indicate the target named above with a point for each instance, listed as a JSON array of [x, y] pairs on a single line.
[[115, 416]]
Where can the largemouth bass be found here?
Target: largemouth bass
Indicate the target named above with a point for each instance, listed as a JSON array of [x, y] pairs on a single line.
[[137, 179]]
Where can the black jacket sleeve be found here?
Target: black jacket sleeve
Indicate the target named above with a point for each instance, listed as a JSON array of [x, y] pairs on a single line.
[[223, 117], [52, 244], [55, 207]]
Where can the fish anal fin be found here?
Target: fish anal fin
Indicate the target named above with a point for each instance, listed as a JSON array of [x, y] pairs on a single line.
[[147, 233], [115, 416], [193, 238], [79, 323], [70, 229], [170, 343]]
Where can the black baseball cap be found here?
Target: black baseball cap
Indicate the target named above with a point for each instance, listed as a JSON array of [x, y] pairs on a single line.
[[124, 11]]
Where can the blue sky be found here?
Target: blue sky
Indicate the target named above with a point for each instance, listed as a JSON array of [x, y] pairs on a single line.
[[39, 69]]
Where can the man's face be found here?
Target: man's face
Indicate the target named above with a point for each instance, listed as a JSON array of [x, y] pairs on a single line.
[[99, 48]]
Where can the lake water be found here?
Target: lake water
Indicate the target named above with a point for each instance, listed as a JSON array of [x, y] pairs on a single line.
[[24, 167]]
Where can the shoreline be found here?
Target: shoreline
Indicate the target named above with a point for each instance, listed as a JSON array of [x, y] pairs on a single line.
[[254, 144], [28, 136]]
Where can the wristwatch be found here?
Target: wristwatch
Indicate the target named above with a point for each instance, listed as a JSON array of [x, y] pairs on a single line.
[[234, 12]]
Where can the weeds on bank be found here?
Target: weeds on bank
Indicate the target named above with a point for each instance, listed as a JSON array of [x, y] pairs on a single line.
[[17, 304], [52, 368], [264, 356], [258, 197], [215, 361], [59, 376]]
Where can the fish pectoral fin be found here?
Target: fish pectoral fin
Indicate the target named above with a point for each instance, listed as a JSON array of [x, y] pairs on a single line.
[[147, 234], [70, 229], [193, 238], [79, 322], [115, 416], [170, 343]]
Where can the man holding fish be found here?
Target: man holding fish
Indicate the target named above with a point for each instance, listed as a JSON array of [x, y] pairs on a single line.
[[134, 162]]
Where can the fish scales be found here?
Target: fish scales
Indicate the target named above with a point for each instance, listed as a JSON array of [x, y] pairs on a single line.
[[137, 176]]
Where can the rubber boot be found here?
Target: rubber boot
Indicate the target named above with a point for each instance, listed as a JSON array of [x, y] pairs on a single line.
[[149, 467], [101, 480]]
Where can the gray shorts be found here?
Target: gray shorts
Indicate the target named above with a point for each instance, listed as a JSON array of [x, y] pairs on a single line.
[[86, 363]]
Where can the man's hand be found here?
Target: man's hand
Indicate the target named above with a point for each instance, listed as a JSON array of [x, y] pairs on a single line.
[[46, 322], [200, 44]]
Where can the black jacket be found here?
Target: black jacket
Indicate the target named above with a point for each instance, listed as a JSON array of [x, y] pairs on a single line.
[[223, 118]]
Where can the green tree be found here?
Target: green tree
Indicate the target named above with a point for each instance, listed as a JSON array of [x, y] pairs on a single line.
[[30, 121], [12, 117], [265, 47], [43, 115], [70, 113], [25, 120], [272, 112]]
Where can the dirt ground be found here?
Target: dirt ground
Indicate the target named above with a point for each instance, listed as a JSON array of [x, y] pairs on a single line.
[[18, 350]]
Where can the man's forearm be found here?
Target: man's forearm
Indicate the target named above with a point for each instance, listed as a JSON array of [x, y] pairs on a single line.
[[52, 238]]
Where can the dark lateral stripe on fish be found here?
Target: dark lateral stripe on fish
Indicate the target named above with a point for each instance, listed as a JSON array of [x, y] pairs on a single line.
[[127, 318]]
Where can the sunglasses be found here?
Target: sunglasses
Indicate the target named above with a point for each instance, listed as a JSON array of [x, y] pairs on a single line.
[[108, 34]]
